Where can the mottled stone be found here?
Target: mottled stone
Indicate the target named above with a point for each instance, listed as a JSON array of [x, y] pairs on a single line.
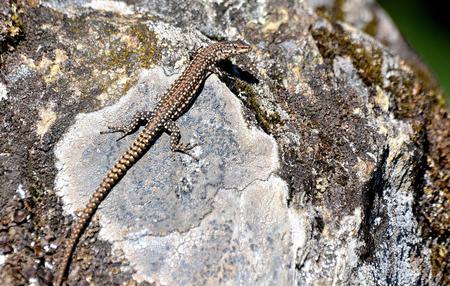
[[323, 160]]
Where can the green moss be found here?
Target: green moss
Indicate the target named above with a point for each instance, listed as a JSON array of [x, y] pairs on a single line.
[[324, 12], [406, 104], [368, 60], [145, 52], [333, 13], [338, 10], [121, 52], [141, 51], [372, 27], [336, 13], [130, 47], [440, 261], [11, 27], [129, 84], [268, 122]]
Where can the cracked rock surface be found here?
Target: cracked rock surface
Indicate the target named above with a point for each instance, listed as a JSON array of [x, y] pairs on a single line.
[[323, 156]]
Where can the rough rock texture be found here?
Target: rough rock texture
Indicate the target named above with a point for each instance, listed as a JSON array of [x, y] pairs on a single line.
[[323, 158]]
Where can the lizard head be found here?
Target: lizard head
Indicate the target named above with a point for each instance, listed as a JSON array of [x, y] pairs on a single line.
[[232, 48]]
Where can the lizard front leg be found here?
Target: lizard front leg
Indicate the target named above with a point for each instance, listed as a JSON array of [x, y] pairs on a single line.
[[140, 118], [215, 70]]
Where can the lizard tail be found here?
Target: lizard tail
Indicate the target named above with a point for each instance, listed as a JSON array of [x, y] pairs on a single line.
[[114, 175]]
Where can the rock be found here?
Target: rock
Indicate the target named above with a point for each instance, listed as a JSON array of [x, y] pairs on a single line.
[[20, 216], [11, 29], [323, 160]]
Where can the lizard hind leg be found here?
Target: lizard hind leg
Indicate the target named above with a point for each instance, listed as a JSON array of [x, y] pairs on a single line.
[[140, 118], [175, 136]]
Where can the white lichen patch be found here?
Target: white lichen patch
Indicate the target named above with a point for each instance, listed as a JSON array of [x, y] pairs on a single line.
[[47, 116], [171, 214], [119, 7], [21, 192], [2, 259], [3, 91], [400, 136], [338, 241], [299, 224], [245, 240]]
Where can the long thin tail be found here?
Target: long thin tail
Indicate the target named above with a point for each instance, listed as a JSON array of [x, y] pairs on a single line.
[[114, 175]]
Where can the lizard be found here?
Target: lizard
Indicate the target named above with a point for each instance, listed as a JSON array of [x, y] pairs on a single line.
[[175, 102]]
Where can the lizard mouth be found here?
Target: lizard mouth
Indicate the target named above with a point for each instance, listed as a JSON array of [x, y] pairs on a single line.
[[244, 48], [241, 47]]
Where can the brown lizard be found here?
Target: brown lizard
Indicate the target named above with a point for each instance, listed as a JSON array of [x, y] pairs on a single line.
[[172, 105]]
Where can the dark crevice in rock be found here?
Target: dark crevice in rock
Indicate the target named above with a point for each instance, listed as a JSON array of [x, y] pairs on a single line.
[[317, 226], [241, 82], [299, 179], [236, 71], [372, 194]]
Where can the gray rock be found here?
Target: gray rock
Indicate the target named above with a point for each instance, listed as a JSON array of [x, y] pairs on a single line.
[[322, 161]]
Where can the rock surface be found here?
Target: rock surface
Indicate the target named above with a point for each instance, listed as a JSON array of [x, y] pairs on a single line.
[[322, 159]]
